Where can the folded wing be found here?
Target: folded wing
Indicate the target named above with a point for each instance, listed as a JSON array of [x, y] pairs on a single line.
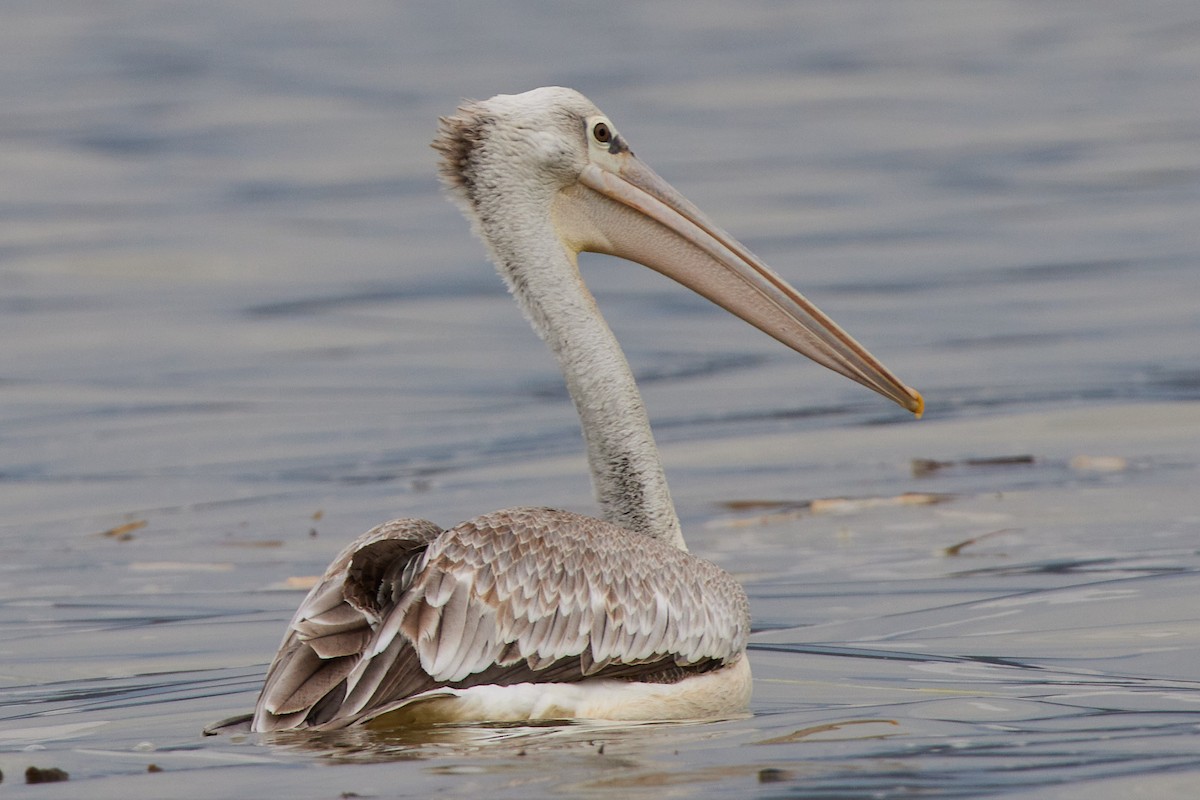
[[515, 596]]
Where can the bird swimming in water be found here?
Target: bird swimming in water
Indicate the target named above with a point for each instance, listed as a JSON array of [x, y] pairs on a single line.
[[534, 613]]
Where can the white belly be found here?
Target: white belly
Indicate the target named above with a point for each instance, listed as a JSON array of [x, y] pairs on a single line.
[[709, 695]]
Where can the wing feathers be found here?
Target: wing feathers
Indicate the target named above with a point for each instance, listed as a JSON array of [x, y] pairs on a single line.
[[312, 677], [515, 596]]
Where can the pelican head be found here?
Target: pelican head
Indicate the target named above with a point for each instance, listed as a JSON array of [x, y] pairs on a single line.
[[547, 170]]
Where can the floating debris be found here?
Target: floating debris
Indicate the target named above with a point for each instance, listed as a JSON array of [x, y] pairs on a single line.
[[153, 768], [785, 510], [751, 505], [305, 582], [923, 467], [123, 533], [956, 549], [1099, 463], [850, 505], [775, 775], [47, 775], [254, 543]]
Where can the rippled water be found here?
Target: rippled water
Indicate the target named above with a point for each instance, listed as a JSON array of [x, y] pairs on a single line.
[[241, 326]]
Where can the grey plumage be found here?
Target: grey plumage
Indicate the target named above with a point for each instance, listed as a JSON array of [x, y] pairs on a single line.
[[515, 596]]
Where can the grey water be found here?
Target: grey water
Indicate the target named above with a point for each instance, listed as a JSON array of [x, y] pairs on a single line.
[[239, 325]]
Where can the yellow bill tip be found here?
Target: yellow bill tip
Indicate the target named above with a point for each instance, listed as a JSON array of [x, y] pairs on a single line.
[[916, 404]]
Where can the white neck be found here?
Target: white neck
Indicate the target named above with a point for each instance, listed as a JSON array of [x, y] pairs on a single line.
[[627, 474]]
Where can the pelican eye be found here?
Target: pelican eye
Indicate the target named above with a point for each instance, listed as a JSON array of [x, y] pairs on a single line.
[[602, 133]]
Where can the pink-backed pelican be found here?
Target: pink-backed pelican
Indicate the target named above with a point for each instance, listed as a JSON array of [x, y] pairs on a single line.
[[532, 613]]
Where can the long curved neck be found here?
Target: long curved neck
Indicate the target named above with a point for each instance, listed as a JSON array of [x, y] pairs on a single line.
[[627, 474]]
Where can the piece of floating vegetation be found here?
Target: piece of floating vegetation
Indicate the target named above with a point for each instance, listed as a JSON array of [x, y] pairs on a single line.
[[922, 467], [45, 775], [1083, 463], [775, 775], [305, 582], [850, 505], [956, 549], [754, 505], [123, 533], [783, 510]]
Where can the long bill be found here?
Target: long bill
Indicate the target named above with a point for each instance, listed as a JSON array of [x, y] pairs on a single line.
[[630, 212]]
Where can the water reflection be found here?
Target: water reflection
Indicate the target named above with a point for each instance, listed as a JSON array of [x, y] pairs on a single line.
[[502, 742]]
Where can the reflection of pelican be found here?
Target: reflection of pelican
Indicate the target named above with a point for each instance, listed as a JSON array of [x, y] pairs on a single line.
[[533, 613]]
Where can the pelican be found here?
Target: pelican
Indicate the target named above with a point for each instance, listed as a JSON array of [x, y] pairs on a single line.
[[533, 613]]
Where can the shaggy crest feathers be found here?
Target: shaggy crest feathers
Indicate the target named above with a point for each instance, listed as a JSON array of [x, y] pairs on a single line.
[[458, 136], [514, 120]]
